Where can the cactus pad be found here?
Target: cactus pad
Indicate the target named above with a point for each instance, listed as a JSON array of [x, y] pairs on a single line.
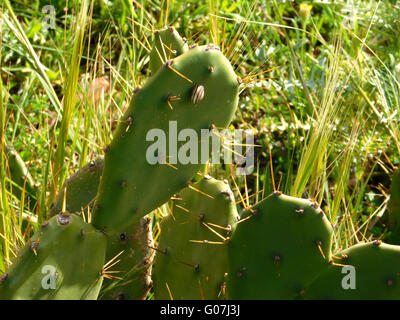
[[135, 262], [278, 249], [63, 260], [394, 203], [81, 188], [375, 276], [19, 174], [185, 269], [136, 178]]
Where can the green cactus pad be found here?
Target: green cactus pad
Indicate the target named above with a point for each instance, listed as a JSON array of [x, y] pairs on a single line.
[[136, 245], [81, 188], [275, 251], [136, 179], [168, 45], [66, 252], [191, 270], [376, 274], [394, 203], [19, 174]]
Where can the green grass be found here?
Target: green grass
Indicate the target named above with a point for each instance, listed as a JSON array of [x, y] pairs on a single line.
[[321, 93]]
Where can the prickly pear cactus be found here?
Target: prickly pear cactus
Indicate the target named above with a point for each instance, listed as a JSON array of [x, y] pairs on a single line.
[[136, 245], [81, 188], [168, 45], [143, 168], [192, 257], [63, 260], [366, 271], [279, 247]]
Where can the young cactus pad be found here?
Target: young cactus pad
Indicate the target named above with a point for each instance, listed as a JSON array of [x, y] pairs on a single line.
[[278, 249], [365, 271], [19, 174], [192, 260], [168, 44], [63, 260], [195, 91], [81, 188]]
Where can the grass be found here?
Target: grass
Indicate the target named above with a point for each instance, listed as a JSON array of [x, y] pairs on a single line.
[[321, 93]]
